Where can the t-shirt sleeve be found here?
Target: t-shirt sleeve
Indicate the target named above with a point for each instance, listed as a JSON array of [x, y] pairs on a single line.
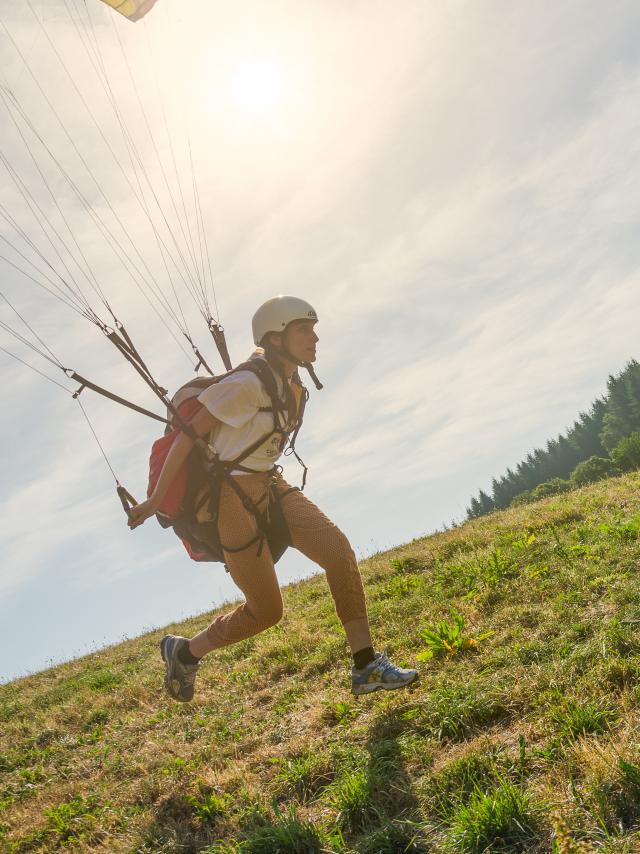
[[234, 400]]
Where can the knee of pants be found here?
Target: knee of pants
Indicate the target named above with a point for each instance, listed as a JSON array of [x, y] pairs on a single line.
[[341, 556], [267, 614]]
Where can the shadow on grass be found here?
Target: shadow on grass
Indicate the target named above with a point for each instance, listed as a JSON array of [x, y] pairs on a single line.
[[379, 812], [180, 824]]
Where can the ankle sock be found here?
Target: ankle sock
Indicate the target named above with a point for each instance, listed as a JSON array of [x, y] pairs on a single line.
[[185, 656], [363, 657]]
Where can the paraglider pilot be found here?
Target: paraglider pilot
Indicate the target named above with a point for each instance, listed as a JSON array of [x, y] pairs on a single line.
[[234, 413]]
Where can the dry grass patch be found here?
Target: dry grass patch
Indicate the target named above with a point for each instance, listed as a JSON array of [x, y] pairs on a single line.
[[507, 742]]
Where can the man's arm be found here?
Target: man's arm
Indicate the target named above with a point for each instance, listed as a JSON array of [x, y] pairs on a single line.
[[202, 423]]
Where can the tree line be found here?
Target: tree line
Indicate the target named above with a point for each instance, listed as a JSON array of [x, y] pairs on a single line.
[[603, 441]]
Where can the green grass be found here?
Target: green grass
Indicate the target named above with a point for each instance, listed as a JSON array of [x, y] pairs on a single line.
[[449, 638], [286, 834], [502, 819], [303, 777], [521, 735], [574, 719], [452, 786]]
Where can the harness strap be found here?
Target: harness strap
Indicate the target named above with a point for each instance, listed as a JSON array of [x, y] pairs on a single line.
[[260, 537], [247, 453], [84, 383], [126, 499], [131, 346], [140, 367], [217, 333], [263, 371], [292, 442], [305, 468], [220, 472], [289, 491], [201, 360]]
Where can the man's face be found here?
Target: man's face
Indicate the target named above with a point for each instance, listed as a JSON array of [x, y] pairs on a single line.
[[300, 339]]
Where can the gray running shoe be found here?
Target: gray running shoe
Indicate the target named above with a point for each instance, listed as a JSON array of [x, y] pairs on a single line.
[[180, 678], [380, 673]]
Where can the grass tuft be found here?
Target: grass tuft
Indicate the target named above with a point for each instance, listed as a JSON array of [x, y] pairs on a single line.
[[574, 719], [448, 638], [286, 835], [457, 711], [397, 837], [500, 820], [454, 784], [351, 797], [304, 777]]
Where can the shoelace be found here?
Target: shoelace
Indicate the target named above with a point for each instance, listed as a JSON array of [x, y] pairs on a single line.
[[389, 667], [383, 660]]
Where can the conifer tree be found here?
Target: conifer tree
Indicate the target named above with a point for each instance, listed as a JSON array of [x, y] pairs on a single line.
[[474, 510], [585, 433], [608, 420], [486, 504], [617, 419]]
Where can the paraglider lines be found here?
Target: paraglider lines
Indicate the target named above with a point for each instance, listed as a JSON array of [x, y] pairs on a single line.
[[189, 242], [31, 367], [88, 273], [132, 149], [54, 358], [191, 264], [58, 293], [95, 436], [108, 235], [121, 254], [197, 287], [41, 219]]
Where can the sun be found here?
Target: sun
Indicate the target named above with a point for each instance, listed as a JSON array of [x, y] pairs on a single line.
[[259, 86]]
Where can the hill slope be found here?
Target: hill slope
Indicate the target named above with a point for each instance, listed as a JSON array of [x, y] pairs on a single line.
[[524, 740]]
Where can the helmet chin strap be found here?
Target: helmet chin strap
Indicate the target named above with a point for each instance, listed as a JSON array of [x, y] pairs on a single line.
[[272, 351], [309, 367]]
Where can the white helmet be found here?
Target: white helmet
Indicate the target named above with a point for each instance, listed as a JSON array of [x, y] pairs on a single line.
[[276, 314]]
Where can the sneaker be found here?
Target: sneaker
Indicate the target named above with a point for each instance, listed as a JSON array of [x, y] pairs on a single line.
[[380, 673], [179, 678]]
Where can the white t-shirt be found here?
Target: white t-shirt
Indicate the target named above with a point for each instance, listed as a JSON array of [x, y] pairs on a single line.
[[236, 401]]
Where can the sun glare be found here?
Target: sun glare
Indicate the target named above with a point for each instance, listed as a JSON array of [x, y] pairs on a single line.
[[258, 86]]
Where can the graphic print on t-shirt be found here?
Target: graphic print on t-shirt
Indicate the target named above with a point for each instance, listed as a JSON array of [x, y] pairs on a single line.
[[274, 447]]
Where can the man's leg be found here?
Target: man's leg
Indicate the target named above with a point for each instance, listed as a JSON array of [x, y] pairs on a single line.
[[253, 573], [319, 539], [252, 570]]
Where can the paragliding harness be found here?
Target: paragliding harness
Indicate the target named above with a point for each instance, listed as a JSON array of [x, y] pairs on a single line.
[[199, 485]]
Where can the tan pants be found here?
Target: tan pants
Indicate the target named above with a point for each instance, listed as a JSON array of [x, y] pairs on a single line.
[[311, 533]]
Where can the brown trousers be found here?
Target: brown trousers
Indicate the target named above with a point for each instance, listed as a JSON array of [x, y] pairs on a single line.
[[311, 533]]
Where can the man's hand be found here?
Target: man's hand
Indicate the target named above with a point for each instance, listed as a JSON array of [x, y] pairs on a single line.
[[141, 512]]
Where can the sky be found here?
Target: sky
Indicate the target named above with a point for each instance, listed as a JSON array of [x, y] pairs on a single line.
[[454, 186]]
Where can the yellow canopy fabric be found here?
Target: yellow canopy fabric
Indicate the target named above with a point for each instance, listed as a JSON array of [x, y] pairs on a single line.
[[131, 9]]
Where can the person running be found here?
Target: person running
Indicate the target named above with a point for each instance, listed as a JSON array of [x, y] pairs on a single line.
[[232, 418]]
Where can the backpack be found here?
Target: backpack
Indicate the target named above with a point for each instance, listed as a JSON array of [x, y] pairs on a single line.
[[199, 480]]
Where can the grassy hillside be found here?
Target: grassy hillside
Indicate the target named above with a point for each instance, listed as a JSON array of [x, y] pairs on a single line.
[[522, 734]]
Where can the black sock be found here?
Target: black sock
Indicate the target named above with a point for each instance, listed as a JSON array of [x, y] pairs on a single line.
[[363, 657], [185, 656]]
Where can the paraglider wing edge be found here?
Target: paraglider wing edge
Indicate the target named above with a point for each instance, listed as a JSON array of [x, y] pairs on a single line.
[[133, 10]]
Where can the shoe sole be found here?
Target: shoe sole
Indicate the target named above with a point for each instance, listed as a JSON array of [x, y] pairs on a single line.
[[369, 689], [167, 684]]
